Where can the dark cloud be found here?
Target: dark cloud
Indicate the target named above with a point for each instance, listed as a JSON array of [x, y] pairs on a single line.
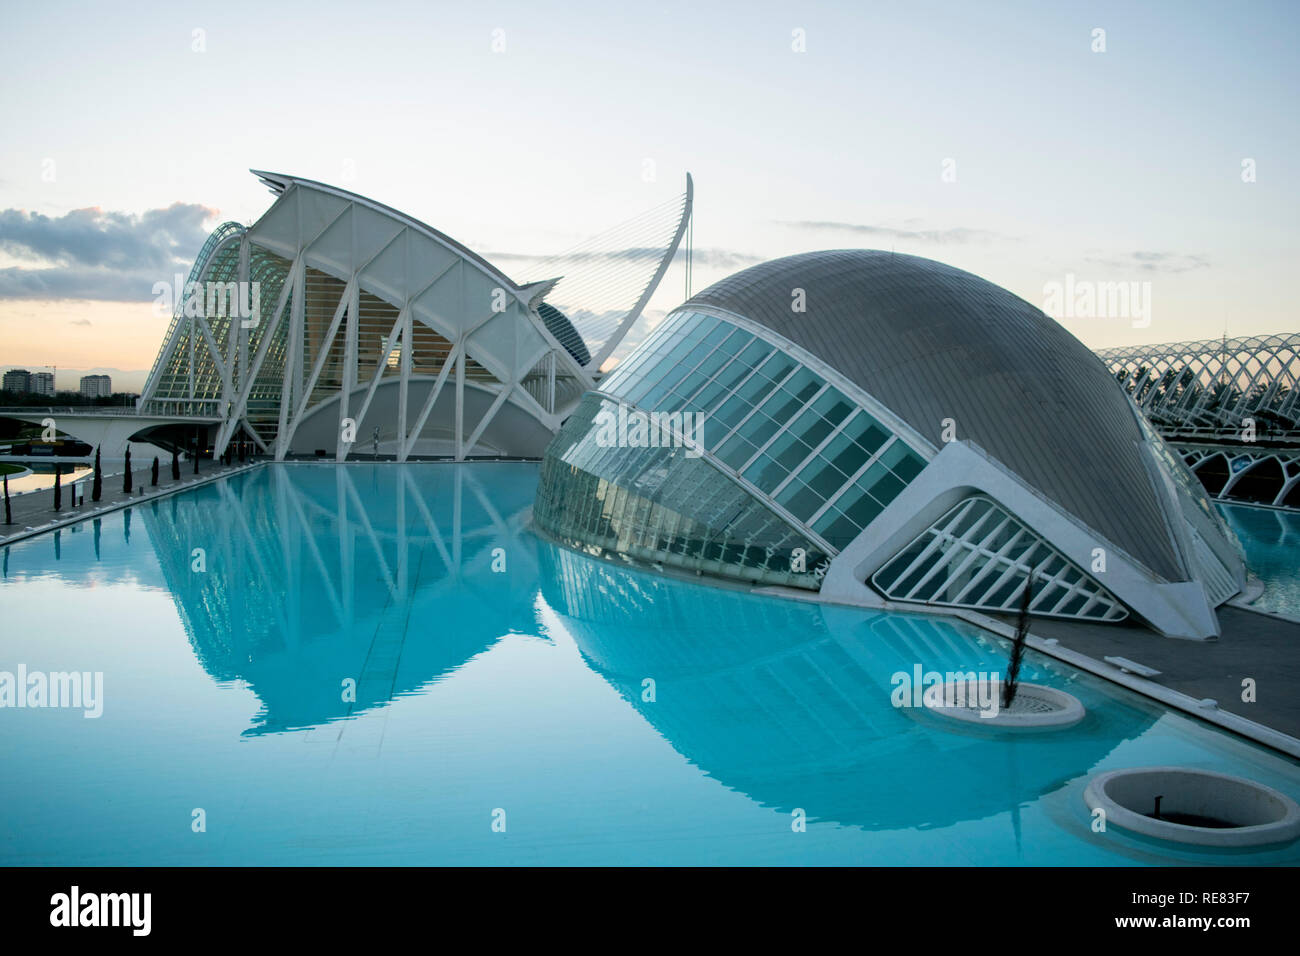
[[958, 234], [1147, 261], [99, 254], [101, 285]]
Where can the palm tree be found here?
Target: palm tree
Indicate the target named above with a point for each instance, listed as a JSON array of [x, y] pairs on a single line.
[[1018, 648], [97, 485]]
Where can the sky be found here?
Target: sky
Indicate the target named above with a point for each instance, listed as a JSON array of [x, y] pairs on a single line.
[[1009, 139]]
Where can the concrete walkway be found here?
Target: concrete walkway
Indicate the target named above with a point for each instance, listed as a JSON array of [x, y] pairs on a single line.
[[1253, 645], [33, 513]]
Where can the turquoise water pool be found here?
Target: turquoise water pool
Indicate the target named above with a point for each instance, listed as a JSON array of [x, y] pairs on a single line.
[[1271, 540], [502, 681]]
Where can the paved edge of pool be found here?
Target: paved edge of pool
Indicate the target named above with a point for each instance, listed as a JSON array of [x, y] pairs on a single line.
[[1244, 726], [1210, 713], [118, 502]]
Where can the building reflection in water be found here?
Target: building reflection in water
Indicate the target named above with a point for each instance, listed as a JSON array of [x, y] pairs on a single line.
[[294, 578], [385, 575], [789, 702]]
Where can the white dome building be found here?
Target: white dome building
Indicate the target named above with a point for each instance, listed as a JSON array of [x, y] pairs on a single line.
[[890, 431]]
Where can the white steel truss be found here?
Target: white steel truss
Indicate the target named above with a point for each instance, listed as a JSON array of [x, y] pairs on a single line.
[[370, 309], [1207, 388], [1262, 475], [980, 556]]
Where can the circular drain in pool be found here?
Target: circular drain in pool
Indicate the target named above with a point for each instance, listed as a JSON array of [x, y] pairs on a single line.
[[1194, 806], [979, 704]]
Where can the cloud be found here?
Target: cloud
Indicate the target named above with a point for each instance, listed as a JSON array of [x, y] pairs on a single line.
[[79, 322], [719, 258], [958, 234], [1147, 261], [100, 285], [99, 254]]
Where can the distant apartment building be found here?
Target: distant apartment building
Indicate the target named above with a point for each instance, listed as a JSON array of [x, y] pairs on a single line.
[[96, 386], [17, 380], [42, 383]]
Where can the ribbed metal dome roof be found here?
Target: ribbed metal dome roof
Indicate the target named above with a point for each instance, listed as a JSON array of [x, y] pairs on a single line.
[[933, 342]]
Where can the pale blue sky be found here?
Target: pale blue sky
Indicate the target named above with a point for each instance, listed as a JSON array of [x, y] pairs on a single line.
[[1067, 161]]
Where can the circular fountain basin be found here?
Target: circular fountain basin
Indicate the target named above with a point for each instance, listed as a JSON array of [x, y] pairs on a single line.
[[1036, 707], [1196, 806]]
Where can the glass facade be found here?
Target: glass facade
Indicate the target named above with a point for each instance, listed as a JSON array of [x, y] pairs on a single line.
[[660, 504], [789, 460], [773, 422]]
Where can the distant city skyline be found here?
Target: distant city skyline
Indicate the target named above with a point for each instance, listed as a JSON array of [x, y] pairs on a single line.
[[1152, 158], [70, 379]]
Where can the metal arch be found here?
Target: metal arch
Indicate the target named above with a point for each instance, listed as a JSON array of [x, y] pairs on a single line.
[[1287, 459], [216, 241], [278, 183], [226, 366], [1210, 386], [616, 337]]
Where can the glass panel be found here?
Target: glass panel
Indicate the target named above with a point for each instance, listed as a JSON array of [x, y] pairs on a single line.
[[657, 504], [881, 483], [686, 339], [801, 500], [673, 376], [736, 451], [775, 463]]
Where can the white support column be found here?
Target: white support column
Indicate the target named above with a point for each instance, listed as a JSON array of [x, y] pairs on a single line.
[[292, 360], [550, 382], [460, 402], [322, 354], [245, 272], [267, 330], [228, 371], [489, 415], [352, 295], [408, 440], [381, 365], [404, 382]]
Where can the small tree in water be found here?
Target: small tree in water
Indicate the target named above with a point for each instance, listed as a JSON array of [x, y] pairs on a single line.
[[176, 465], [9, 518], [1018, 648], [97, 485], [58, 488], [126, 480], [153, 475]]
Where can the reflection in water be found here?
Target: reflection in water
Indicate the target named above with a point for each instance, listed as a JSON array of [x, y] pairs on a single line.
[[294, 578], [297, 578], [789, 702], [1271, 540]]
